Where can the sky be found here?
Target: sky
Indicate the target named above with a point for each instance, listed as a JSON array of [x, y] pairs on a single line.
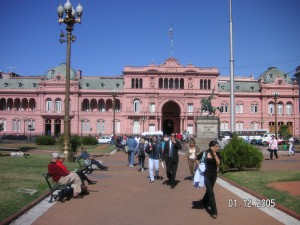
[[118, 33]]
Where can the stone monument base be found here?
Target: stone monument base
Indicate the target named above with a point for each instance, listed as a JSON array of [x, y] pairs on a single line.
[[207, 129]]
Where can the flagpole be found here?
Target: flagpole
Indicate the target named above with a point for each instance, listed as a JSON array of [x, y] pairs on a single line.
[[232, 104], [171, 39]]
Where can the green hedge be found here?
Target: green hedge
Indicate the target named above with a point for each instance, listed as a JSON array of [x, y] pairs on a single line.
[[45, 140], [89, 140], [240, 155]]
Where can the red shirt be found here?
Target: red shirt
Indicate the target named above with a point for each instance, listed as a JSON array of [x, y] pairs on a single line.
[[56, 172], [61, 165]]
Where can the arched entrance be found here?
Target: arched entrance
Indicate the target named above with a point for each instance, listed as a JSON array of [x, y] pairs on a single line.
[[171, 118]]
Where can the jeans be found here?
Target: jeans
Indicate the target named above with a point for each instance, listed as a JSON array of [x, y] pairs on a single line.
[[142, 161], [131, 158], [153, 166], [97, 163], [209, 197], [291, 152], [271, 154]]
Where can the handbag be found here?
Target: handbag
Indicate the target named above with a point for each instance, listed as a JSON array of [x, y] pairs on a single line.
[[202, 166], [87, 162], [126, 148], [198, 181]]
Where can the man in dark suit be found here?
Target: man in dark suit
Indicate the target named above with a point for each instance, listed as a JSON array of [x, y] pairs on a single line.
[[170, 156]]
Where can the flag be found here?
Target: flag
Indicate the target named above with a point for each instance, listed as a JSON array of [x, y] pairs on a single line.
[[171, 33]]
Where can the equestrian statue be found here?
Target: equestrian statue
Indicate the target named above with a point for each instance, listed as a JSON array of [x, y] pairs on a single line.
[[206, 105]]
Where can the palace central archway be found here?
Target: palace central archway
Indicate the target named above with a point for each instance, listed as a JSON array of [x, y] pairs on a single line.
[[171, 117]]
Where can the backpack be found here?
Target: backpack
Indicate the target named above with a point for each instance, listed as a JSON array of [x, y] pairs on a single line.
[[141, 149]]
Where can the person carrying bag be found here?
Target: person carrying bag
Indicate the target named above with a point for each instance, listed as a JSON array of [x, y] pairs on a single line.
[[212, 162]]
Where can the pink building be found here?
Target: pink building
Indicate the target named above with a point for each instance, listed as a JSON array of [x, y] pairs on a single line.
[[163, 97]]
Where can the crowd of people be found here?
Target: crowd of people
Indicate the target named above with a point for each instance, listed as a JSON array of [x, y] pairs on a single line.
[[160, 151]]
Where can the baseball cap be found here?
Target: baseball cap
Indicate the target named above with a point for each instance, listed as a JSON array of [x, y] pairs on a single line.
[[55, 155]]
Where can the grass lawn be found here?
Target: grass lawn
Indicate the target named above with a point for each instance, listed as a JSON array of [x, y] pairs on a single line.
[[257, 181], [18, 173]]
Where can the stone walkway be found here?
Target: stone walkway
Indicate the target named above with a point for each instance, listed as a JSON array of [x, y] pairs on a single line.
[[124, 196]]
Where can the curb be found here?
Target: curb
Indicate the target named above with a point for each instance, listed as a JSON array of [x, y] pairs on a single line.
[[9, 219], [277, 206]]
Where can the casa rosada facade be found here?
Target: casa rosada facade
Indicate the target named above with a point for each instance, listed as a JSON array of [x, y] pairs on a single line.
[[163, 97]]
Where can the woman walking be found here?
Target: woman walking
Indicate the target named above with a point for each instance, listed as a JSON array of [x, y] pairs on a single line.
[[212, 161], [191, 156]]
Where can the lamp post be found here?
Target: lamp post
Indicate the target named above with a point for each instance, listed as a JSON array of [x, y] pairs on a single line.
[[70, 21], [275, 95], [114, 94]]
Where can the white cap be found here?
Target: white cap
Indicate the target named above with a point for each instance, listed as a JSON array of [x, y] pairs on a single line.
[[55, 155]]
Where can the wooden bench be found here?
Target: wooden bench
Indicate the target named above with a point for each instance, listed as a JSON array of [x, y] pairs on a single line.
[[55, 189], [86, 169]]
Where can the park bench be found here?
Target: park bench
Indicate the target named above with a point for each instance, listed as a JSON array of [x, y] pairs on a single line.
[[85, 168], [57, 191]]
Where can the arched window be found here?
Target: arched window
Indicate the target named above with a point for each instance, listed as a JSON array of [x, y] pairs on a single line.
[[239, 125], [100, 126], [86, 105], [85, 126], [136, 127], [166, 85], [224, 107], [201, 85], [136, 105], [289, 108], [58, 105], [171, 83], [181, 83], [141, 83], [176, 83], [280, 108], [160, 83], [254, 125], [271, 108], [239, 108], [224, 125], [209, 84], [101, 105], [48, 104], [16, 125], [254, 108]]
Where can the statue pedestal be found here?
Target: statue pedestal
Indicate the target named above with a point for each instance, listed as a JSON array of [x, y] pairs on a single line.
[[207, 129]]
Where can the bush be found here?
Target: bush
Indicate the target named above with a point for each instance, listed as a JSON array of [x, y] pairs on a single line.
[[89, 140], [75, 142], [45, 140], [240, 155]]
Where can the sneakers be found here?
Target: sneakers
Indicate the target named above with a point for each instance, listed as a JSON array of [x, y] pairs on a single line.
[[151, 181], [131, 166]]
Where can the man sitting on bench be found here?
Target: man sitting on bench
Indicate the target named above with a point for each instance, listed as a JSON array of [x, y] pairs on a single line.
[[63, 178], [85, 155], [83, 177]]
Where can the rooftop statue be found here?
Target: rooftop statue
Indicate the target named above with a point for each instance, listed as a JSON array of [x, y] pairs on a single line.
[[206, 105]]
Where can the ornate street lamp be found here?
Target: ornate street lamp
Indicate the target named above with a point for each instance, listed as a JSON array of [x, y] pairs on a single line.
[[275, 95], [70, 19]]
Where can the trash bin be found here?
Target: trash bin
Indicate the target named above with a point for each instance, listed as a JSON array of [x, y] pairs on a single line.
[[285, 147]]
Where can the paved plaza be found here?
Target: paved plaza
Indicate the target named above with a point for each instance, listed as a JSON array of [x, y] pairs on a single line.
[[124, 196]]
